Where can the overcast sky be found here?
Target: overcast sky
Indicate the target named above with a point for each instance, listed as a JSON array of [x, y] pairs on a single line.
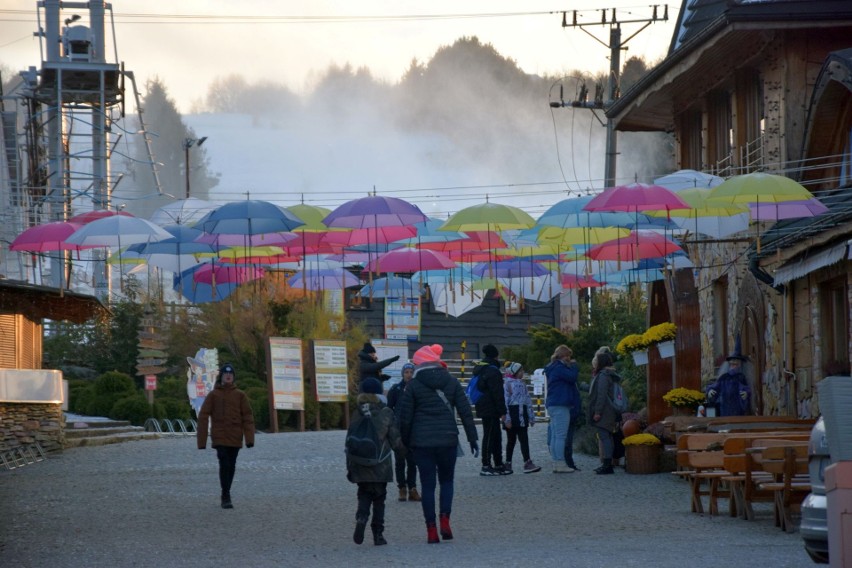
[[189, 43]]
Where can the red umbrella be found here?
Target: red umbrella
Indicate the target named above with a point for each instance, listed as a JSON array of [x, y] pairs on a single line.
[[90, 216], [636, 197], [47, 237], [636, 246], [574, 281], [410, 260]]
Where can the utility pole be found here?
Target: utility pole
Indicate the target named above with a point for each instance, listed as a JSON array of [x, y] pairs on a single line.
[[187, 144], [616, 45]]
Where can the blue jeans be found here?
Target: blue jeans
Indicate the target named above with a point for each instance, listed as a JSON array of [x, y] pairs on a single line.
[[432, 461], [557, 431]]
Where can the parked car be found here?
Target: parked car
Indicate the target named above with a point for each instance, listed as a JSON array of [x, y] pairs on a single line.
[[814, 527]]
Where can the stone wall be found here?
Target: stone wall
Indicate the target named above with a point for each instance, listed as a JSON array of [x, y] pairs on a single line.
[[25, 423]]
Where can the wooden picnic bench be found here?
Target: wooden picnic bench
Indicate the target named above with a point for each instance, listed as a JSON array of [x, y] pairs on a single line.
[[788, 465]]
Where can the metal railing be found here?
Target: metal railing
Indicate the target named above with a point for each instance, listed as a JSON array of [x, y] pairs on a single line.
[[22, 455], [171, 426]]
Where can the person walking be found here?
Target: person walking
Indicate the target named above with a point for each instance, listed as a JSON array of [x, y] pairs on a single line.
[[427, 423], [491, 410], [372, 478], [519, 417], [406, 469], [562, 398], [369, 366], [602, 415], [228, 412]]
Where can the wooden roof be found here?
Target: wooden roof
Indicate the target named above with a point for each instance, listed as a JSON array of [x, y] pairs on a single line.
[[44, 302]]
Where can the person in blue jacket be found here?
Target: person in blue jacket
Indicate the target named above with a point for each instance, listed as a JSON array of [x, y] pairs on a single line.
[[730, 393], [562, 399]]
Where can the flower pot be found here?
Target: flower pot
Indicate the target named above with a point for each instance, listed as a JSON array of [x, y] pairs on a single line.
[[642, 459], [640, 357], [666, 349]]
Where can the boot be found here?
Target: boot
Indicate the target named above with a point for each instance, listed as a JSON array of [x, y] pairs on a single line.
[[360, 527], [403, 494], [432, 533], [413, 495], [446, 531], [226, 503], [378, 537], [606, 468]]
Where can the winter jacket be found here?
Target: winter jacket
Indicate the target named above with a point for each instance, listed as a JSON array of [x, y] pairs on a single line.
[[383, 420], [731, 394], [518, 402], [600, 400], [368, 368], [424, 419], [395, 393], [492, 403], [228, 409], [562, 384]]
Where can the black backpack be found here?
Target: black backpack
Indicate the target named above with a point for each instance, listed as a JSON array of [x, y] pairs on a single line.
[[363, 446]]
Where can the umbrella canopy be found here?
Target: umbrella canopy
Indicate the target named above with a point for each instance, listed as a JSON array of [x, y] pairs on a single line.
[[259, 240], [200, 293], [787, 210], [639, 245], [323, 279], [410, 260], [455, 300], [570, 281], [515, 268], [249, 217], [215, 273], [372, 236], [758, 187], [375, 211], [118, 231], [688, 179], [539, 288], [89, 216], [450, 276], [488, 217], [391, 287], [636, 197], [47, 237], [177, 253], [182, 212]]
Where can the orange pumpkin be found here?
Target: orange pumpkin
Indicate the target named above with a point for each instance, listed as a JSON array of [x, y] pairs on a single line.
[[631, 427]]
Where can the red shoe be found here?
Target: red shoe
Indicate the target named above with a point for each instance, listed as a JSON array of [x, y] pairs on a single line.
[[432, 534], [446, 531]]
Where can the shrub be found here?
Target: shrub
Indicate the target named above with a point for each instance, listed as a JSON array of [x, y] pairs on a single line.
[[113, 383], [259, 401], [135, 409], [173, 408], [330, 414]]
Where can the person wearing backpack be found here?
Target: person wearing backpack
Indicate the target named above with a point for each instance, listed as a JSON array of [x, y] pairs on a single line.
[[562, 398], [371, 436], [427, 423], [602, 412], [491, 409]]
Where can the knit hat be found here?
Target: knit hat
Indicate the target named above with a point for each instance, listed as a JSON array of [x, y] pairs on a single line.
[[428, 354], [513, 368], [226, 368], [407, 366], [368, 348], [371, 385], [490, 351]]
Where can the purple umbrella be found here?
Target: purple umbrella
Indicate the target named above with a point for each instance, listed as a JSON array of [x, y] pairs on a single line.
[[787, 210], [515, 268], [375, 211]]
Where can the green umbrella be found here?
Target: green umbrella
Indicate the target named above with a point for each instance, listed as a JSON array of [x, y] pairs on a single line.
[[758, 187], [488, 217]]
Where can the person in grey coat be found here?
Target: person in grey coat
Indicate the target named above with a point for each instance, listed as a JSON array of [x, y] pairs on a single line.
[[602, 415], [373, 480], [427, 421]]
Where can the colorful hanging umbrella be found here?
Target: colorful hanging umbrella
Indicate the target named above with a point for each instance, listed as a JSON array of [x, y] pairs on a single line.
[[639, 245], [182, 212], [636, 197], [118, 231], [488, 217], [89, 216], [688, 179], [456, 299], [515, 268], [323, 279], [177, 253], [787, 210], [215, 273], [391, 287], [47, 237], [571, 281], [200, 293], [410, 260], [249, 217], [370, 237], [758, 188], [375, 211]]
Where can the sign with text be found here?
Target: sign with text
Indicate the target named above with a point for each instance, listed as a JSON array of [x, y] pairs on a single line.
[[402, 318], [150, 382], [387, 348], [332, 371], [288, 387]]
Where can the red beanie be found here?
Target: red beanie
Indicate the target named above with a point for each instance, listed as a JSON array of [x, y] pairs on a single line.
[[428, 354]]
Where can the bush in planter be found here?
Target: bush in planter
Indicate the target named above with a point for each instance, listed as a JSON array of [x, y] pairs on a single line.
[[631, 343]]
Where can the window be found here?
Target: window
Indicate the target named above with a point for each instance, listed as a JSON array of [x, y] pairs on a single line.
[[720, 131], [691, 140], [834, 324]]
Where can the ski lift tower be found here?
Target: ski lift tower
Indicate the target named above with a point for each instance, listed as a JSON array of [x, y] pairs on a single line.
[[75, 93]]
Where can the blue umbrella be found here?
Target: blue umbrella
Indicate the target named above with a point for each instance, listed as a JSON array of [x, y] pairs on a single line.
[[249, 217], [515, 268], [391, 287], [199, 292]]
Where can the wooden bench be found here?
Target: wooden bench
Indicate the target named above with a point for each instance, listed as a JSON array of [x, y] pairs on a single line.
[[700, 459], [788, 464], [744, 468]]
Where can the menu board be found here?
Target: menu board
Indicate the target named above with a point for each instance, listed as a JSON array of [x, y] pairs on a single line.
[[288, 387], [332, 382]]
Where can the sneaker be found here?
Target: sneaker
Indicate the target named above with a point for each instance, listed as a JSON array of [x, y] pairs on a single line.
[[503, 470], [530, 467], [508, 466], [487, 470], [226, 503]]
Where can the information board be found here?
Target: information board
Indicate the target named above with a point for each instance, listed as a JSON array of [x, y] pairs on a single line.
[[332, 375], [288, 387], [387, 348], [402, 318]]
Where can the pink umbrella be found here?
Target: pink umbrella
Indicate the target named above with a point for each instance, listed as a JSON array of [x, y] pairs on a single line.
[[636, 197], [636, 246], [215, 274], [786, 210], [89, 216], [574, 281], [47, 237], [369, 236], [410, 260], [258, 240]]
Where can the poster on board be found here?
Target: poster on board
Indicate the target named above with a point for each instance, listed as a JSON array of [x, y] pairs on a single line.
[[387, 348], [332, 371], [402, 318], [288, 386]]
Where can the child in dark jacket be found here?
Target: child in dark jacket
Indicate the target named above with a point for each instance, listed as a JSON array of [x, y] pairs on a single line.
[[373, 480]]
